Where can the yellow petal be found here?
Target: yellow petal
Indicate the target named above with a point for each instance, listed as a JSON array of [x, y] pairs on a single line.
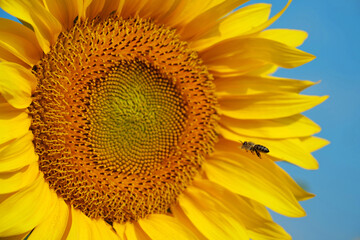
[[270, 21], [242, 67], [131, 8], [46, 26], [26, 209], [186, 10], [265, 70], [17, 154], [289, 37], [179, 214], [210, 216], [131, 233], [93, 8], [234, 25], [290, 150], [83, 227], [120, 230], [313, 143], [14, 181], [158, 9], [240, 85], [258, 208], [7, 56], [288, 127], [258, 226], [55, 223], [225, 147], [208, 19], [18, 41], [244, 19], [16, 84], [293, 151], [120, 7], [13, 125], [17, 237], [230, 52], [110, 6], [65, 11], [135, 232], [267, 105], [253, 179], [163, 227]]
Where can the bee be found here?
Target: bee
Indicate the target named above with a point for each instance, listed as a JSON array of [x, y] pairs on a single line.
[[254, 148]]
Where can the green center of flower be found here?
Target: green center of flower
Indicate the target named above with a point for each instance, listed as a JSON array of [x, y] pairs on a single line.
[[136, 117], [123, 117]]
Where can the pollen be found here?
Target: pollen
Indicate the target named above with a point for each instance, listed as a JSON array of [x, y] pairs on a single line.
[[123, 116]]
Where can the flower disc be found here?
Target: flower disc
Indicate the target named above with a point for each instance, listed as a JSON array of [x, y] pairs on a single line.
[[123, 116]]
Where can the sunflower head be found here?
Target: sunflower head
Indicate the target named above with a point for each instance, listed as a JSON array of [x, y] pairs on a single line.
[[138, 120], [121, 122]]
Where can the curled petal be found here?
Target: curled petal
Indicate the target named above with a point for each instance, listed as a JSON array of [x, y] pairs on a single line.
[[208, 19], [18, 44], [234, 25], [65, 11], [45, 25]]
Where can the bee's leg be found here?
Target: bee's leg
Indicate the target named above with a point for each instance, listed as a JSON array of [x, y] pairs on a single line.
[[258, 154]]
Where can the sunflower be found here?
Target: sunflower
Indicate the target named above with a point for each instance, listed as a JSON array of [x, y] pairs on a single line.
[[128, 120]]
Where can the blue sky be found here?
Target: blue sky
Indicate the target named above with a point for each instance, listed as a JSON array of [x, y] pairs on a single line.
[[334, 37]]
